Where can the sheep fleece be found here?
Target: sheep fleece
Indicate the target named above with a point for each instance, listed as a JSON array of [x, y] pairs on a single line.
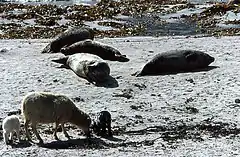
[[47, 108]]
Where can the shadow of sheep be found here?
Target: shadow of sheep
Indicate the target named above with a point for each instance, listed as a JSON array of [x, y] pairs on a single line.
[[95, 143]]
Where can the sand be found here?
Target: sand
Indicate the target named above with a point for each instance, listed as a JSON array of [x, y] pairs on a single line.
[[185, 114]]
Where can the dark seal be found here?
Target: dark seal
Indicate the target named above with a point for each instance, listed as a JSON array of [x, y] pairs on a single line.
[[102, 50], [101, 123], [67, 38], [176, 61]]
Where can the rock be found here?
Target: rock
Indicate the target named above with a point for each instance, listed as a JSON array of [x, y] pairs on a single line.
[[126, 93], [237, 100]]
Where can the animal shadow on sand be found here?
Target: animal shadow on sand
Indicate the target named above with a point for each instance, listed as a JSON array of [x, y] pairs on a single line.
[[208, 68], [14, 144], [94, 142], [20, 144], [110, 82], [112, 138]]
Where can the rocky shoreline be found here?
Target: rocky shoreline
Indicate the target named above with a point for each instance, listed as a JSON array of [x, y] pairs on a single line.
[[185, 114], [124, 18]]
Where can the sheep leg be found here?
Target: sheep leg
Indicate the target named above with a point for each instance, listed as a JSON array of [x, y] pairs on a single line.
[[103, 129], [86, 132], [36, 133], [5, 137], [11, 135], [27, 131], [96, 128], [18, 135], [64, 131], [55, 131], [109, 129]]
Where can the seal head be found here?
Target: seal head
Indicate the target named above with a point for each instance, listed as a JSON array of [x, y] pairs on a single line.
[[97, 72]]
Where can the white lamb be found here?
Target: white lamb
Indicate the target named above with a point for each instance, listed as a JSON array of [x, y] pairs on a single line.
[[40, 107], [10, 125]]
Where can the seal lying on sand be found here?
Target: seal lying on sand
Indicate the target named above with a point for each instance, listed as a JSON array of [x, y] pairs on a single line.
[[176, 61], [67, 38], [93, 47], [88, 66]]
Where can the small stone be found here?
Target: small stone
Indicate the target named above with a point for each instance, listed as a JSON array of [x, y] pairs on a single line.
[[237, 100], [133, 107], [3, 50], [192, 109], [118, 77], [78, 99], [126, 93], [140, 86], [138, 116], [55, 80], [190, 80]]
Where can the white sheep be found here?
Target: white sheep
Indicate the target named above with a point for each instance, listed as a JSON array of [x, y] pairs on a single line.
[[41, 107], [10, 125]]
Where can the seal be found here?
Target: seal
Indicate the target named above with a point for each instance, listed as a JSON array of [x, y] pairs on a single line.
[[67, 38], [101, 123], [102, 50], [88, 66], [176, 61]]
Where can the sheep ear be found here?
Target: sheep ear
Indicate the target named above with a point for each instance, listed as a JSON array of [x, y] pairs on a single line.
[[191, 57]]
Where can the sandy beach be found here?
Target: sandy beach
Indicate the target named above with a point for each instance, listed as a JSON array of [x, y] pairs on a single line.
[[185, 114]]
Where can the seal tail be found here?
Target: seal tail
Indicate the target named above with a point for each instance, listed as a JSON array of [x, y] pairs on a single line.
[[138, 74], [47, 49], [61, 60]]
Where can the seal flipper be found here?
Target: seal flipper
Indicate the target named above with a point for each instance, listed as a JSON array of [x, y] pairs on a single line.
[[63, 49], [137, 74], [61, 60], [64, 66], [47, 49]]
